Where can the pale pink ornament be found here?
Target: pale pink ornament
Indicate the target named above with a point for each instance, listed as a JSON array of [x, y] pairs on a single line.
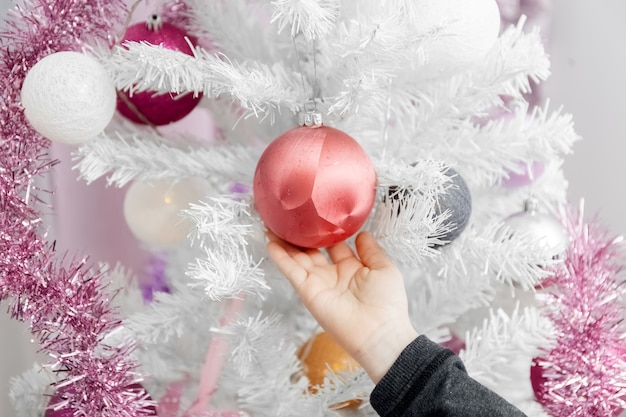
[[153, 211]]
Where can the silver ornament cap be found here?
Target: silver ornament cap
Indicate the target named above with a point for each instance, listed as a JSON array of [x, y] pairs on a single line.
[[154, 22], [309, 116]]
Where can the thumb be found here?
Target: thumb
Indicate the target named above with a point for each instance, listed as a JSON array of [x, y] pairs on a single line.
[[371, 253]]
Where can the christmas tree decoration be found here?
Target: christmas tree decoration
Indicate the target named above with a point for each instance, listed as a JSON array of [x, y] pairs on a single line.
[[314, 186], [67, 308], [155, 279], [457, 201], [455, 343], [153, 211], [537, 380], [405, 79], [543, 228], [584, 373], [68, 97], [150, 107], [473, 30], [58, 406], [321, 355]]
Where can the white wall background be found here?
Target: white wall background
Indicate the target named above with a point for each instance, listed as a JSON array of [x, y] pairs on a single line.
[[588, 79], [589, 66]]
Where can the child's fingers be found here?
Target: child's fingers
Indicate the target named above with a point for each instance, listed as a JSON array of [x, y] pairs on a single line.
[[272, 237], [339, 252], [285, 262], [307, 258], [371, 253]]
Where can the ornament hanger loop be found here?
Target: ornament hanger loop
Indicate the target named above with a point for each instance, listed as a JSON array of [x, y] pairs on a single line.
[[310, 105], [309, 116]]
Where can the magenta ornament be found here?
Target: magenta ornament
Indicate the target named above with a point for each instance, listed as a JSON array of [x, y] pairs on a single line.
[[537, 380], [151, 107]]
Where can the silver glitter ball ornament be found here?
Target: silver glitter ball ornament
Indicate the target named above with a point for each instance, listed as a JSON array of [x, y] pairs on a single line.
[[544, 228]]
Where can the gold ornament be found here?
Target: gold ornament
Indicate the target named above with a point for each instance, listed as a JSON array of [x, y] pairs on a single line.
[[318, 355]]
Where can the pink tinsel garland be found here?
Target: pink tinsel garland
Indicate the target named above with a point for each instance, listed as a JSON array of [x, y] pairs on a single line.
[[585, 374], [67, 306]]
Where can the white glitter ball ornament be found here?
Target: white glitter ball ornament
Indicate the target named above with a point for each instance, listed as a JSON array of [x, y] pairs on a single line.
[[68, 97], [153, 211]]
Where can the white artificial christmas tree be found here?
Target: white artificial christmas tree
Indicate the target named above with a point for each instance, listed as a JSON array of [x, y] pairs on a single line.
[[434, 92]]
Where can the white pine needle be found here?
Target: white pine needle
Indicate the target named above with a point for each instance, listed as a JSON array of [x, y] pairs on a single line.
[[27, 391], [311, 18], [500, 353], [142, 159], [222, 221], [225, 274], [257, 87]]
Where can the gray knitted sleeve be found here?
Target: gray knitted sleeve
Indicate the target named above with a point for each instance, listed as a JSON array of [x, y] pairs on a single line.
[[429, 380]]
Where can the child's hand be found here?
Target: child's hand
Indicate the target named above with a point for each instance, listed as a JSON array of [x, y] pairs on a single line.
[[360, 301]]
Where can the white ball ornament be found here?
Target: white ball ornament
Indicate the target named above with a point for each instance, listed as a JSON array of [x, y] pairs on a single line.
[[153, 211], [68, 97], [471, 28]]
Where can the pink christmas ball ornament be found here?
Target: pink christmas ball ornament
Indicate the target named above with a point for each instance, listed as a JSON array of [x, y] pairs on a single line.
[[151, 107], [314, 186]]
